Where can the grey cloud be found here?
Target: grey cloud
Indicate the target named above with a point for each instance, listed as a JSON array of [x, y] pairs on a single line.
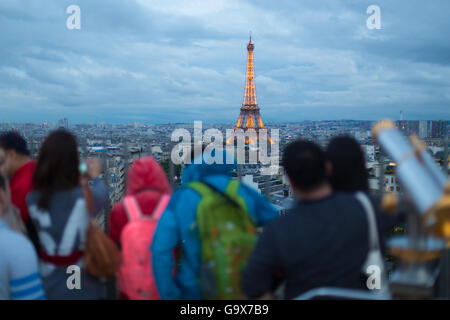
[[162, 61]]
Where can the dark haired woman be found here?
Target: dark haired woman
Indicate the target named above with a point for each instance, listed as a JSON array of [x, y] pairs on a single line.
[[348, 165], [59, 212], [347, 173]]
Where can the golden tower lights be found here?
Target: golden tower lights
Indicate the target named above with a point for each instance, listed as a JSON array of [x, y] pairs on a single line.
[[250, 117]]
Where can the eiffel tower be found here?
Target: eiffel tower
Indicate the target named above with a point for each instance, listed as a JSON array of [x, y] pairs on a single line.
[[250, 117]]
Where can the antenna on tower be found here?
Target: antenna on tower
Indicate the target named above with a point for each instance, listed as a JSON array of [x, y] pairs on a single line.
[[250, 35]]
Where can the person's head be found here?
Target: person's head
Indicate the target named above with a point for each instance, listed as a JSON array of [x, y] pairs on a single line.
[[13, 152], [57, 166], [304, 163], [208, 162], [346, 162], [146, 173]]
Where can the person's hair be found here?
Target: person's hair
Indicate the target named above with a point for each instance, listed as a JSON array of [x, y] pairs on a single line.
[[304, 163], [57, 166], [2, 188], [12, 140], [2, 182], [349, 171]]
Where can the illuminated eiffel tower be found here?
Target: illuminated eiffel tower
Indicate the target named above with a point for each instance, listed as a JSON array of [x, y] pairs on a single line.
[[250, 118]]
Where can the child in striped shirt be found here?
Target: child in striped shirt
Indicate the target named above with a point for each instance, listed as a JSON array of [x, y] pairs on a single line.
[[19, 275]]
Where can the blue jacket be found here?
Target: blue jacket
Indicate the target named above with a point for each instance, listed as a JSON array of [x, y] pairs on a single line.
[[176, 227]]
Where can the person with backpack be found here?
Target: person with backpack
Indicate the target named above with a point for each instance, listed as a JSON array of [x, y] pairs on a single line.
[[132, 225], [61, 204], [207, 232], [19, 275]]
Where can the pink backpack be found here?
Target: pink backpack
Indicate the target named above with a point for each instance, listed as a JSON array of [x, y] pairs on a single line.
[[135, 274]]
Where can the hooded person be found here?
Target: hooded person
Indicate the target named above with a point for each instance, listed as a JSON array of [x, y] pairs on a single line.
[[177, 229], [147, 183]]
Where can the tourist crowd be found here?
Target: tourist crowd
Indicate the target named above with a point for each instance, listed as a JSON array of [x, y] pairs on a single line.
[[211, 238]]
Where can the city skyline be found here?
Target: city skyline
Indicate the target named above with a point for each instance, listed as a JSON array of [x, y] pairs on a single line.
[[171, 62], [189, 124]]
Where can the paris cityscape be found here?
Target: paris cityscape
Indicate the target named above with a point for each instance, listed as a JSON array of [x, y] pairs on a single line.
[[337, 116], [117, 145]]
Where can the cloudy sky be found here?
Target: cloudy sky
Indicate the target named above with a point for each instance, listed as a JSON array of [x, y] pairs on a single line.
[[158, 61]]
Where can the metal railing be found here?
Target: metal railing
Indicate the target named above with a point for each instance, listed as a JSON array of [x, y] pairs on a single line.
[[340, 293]]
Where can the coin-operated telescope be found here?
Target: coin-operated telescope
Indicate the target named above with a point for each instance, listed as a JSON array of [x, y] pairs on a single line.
[[427, 195]]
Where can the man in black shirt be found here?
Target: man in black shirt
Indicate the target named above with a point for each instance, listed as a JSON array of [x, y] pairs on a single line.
[[321, 242]]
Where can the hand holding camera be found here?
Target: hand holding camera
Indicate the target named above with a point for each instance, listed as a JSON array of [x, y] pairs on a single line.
[[90, 169]]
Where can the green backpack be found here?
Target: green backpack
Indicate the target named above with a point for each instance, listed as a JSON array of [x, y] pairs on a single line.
[[227, 237]]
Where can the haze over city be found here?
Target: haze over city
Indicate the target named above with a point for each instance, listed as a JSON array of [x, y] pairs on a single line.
[[179, 62]]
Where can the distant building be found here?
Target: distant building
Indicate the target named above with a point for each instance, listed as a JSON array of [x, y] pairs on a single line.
[[248, 180], [403, 126], [156, 150], [63, 123], [267, 185], [391, 183], [438, 129], [424, 129], [370, 152], [116, 178], [413, 127]]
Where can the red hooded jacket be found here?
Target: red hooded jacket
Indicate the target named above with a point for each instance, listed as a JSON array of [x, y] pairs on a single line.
[[147, 182]]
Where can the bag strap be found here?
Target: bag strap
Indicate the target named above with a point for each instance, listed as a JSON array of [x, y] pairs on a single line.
[[161, 206], [134, 212], [87, 194], [132, 208], [201, 188], [370, 214], [205, 189], [232, 191], [232, 188]]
